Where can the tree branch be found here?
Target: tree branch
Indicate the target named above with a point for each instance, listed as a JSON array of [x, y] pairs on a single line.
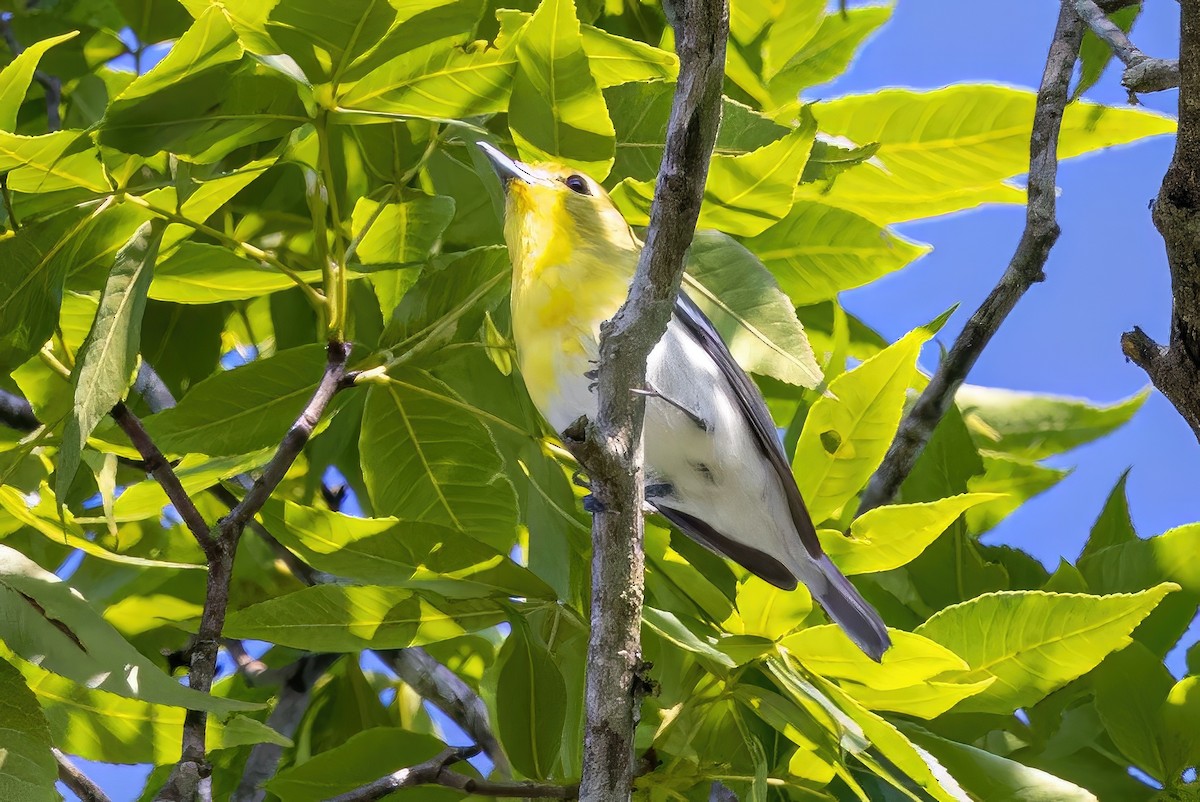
[[435, 772], [285, 718], [1175, 368], [1142, 73], [1024, 270], [193, 767], [79, 783], [158, 467], [612, 453]]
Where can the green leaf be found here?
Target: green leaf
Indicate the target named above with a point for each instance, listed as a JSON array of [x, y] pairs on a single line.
[[16, 76], [51, 162], [349, 618], [614, 60], [198, 273], [426, 458], [402, 233], [64, 531], [796, 23], [154, 20], [530, 704], [1179, 736], [912, 660], [1016, 479], [49, 622], [745, 194], [890, 537], [28, 771], [858, 418], [385, 551], [819, 250], [97, 725], [196, 472], [105, 365], [556, 112], [765, 610], [1036, 426], [441, 81], [241, 410], [1095, 53], [744, 303], [363, 758], [1114, 525], [447, 301], [31, 286], [669, 626], [952, 148], [997, 779], [928, 699], [827, 54], [1035, 642], [1130, 687]]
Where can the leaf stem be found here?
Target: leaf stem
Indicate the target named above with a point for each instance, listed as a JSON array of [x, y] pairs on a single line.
[[324, 204]]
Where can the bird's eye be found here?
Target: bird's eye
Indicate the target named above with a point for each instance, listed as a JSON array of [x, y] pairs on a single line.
[[577, 183]]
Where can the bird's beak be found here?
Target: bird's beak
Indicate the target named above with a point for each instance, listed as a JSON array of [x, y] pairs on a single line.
[[508, 170]]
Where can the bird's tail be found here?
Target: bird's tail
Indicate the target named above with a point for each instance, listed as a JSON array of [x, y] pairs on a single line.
[[848, 609]]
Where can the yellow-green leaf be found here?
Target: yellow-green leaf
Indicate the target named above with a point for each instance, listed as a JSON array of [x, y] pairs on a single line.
[[1035, 642], [912, 659]]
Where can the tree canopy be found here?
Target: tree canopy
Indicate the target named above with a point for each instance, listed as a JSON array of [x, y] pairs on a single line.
[[182, 242]]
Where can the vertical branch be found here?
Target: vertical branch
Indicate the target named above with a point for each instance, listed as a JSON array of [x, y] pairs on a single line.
[[1024, 270], [612, 450], [1175, 368]]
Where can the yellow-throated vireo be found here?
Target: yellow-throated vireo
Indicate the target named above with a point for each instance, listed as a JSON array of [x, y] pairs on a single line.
[[714, 463]]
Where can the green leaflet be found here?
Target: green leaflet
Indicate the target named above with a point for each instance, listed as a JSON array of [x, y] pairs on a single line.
[[848, 431], [106, 361], [363, 758], [367, 617], [29, 771], [950, 149], [556, 112], [747, 308], [16, 76], [427, 458], [530, 703], [1035, 642], [400, 234], [241, 410], [50, 622]]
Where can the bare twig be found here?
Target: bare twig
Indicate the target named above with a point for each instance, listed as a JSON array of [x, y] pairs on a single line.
[[1175, 368], [441, 686], [1024, 270], [192, 768], [612, 448], [158, 467], [285, 718], [435, 772], [79, 783], [1142, 73], [51, 86]]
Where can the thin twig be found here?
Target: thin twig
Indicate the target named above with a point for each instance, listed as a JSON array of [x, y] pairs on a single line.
[[160, 468], [193, 768], [79, 783], [446, 690], [1142, 73], [435, 772], [612, 449], [1024, 270], [1175, 368]]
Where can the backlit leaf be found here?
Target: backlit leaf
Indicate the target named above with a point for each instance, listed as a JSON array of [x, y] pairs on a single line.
[[530, 704], [28, 771]]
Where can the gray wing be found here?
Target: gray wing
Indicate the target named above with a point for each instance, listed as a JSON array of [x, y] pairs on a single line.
[[701, 329]]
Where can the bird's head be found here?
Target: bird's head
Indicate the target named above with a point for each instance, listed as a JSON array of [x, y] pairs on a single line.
[[555, 214]]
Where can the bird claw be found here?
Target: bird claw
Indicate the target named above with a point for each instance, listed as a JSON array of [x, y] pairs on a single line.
[[659, 490], [579, 480], [593, 505]]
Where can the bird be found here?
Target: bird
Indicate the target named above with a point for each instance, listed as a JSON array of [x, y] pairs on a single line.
[[715, 466]]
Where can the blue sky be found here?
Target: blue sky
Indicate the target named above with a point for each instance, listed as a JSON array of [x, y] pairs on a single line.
[[1106, 274]]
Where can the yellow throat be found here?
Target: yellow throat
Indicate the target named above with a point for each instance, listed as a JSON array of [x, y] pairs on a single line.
[[573, 257]]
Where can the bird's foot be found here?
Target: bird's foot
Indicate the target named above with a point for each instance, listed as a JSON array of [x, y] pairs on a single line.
[[593, 505], [651, 392], [659, 490], [579, 479]]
